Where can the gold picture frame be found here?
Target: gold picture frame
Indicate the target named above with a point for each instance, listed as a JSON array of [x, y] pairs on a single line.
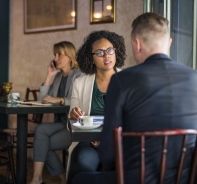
[[102, 11], [49, 15]]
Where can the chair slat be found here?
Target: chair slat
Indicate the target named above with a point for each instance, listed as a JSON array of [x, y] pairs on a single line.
[[34, 93], [193, 169], [180, 167], [163, 160], [119, 153], [142, 159]]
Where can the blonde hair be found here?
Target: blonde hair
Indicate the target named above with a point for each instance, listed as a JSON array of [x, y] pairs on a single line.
[[67, 48]]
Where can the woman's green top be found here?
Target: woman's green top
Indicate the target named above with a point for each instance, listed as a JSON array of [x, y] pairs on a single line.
[[97, 106]]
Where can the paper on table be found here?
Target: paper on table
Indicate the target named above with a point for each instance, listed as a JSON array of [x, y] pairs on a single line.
[[35, 103], [98, 120]]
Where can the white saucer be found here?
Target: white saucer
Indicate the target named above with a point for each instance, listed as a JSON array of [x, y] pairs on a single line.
[[78, 126]]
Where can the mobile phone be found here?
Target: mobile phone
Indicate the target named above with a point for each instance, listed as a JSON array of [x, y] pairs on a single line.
[[53, 64]]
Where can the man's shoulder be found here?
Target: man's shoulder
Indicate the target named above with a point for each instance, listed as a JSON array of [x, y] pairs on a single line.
[[128, 70], [184, 69]]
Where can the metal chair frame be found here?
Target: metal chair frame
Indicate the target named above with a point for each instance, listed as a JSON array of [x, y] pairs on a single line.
[[7, 146]]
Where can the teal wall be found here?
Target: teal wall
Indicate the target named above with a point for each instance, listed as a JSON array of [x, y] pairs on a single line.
[[4, 49]]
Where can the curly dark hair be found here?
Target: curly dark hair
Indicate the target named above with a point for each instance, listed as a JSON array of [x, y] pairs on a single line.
[[85, 58]]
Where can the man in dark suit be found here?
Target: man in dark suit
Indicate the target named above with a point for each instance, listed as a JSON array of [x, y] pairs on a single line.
[[156, 94]]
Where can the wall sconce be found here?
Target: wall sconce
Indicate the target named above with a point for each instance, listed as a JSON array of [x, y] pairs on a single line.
[[102, 11]]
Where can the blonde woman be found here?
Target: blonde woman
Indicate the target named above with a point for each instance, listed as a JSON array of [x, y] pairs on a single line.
[[56, 89]]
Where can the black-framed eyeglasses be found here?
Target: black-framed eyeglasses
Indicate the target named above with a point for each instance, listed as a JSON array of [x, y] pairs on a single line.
[[101, 52]]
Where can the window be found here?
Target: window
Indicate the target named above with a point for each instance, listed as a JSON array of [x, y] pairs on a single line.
[[183, 27]]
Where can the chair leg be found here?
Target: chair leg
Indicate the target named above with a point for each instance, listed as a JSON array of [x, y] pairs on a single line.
[[11, 139], [12, 169], [7, 173], [64, 158], [65, 154]]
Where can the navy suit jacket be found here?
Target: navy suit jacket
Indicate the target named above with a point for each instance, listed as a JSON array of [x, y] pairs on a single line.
[[158, 94]]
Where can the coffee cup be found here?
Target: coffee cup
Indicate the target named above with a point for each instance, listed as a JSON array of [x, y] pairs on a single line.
[[14, 97], [86, 120]]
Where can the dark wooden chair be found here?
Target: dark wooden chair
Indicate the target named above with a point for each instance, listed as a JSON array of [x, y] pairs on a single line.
[[11, 133], [119, 136], [6, 158], [32, 94]]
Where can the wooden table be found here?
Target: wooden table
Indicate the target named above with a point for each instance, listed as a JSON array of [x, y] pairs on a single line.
[[22, 119]]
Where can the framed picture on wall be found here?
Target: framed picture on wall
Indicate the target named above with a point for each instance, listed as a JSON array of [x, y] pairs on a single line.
[[102, 11], [49, 15]]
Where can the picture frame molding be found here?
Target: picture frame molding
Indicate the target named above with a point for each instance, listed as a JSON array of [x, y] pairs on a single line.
[[31, 28]]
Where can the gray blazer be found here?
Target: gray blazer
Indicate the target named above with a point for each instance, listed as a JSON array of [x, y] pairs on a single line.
[[52, 90]]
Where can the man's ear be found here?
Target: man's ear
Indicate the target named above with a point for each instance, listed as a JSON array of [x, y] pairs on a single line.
[[138, 44], [170, 42]]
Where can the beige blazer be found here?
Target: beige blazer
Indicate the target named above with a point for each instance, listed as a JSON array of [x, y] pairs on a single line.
[[82, 93]]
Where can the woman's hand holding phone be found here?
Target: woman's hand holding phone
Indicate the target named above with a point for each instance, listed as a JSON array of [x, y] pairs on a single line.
[[52, 70]]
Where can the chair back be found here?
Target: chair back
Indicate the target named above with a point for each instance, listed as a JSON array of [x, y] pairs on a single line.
[[32, 95], [119, 136]]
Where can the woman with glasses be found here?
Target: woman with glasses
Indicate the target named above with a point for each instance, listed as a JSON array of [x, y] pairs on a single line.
[[56, 89], [100, 56]]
